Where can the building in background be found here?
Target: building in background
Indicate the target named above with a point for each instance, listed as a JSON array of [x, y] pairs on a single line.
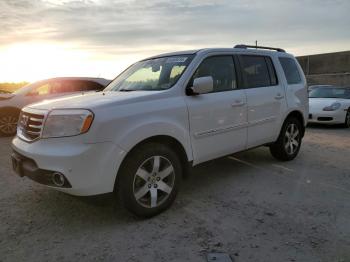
[[330, 68]]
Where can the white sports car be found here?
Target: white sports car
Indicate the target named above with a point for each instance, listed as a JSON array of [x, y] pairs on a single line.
[[330, 105]]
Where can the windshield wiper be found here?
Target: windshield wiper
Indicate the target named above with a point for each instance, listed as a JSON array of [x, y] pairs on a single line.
[[126, 90]]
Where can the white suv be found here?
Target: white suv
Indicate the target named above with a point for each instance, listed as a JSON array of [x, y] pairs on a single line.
[[160, 116]]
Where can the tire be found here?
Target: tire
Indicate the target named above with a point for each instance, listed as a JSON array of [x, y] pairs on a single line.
[[347, 119], [8, 123], [288, 144], [149, 179]]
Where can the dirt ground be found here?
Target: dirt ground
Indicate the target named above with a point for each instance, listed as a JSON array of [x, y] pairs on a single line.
[[248, 205]]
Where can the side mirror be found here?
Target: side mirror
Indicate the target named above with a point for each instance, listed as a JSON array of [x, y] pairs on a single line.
[[202, 85]]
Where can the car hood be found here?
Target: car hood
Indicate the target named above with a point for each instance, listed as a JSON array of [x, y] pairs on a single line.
[[94, 100], [320, 103]]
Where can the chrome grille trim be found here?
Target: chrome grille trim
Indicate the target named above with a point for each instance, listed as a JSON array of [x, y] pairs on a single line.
[[31, 124], [33, 133], [37, 120], [34, 126]]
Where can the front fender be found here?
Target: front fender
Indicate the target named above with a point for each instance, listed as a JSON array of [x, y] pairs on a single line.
[[144, 131]]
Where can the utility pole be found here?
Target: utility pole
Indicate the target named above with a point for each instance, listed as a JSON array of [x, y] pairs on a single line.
[[256, 43]]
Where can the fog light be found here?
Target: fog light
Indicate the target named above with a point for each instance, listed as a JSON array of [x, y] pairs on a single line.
[[58, 179]]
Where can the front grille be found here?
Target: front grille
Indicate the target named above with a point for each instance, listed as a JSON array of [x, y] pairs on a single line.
[[30, 125]]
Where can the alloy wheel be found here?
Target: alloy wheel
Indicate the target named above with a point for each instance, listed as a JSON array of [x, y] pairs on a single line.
[[347, 122], [292, 139], [153, 181], [8, 125]]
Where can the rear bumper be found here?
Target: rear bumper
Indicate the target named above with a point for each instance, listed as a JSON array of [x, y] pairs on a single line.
[[327, 117], [89, 169]]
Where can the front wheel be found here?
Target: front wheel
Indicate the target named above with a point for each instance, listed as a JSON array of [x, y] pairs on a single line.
[[288, 144], [149, 179], [8, 124]]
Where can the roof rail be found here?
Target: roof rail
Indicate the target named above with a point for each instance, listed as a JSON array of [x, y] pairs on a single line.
[[260, 47]]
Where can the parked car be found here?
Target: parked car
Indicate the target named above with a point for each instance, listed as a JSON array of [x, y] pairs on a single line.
[[330, 105], [160, 116], [12, 103], [311, 87]]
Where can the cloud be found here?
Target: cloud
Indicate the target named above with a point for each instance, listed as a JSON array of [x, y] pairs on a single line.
[[118, 26]]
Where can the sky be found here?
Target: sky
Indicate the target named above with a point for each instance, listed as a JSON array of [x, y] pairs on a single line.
[[99, 38]]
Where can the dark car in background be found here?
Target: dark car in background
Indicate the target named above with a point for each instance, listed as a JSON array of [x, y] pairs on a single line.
[[12, 103]]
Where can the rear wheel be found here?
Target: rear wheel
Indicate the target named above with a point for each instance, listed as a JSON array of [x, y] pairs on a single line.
[[288, 143], [149, 179], [8, 123], [347, 119]]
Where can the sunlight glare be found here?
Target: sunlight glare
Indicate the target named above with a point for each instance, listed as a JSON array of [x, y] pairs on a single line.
[[35, 61]]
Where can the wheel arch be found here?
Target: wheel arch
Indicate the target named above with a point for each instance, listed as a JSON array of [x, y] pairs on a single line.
[[170, 141], [167, 140], [298, 115]]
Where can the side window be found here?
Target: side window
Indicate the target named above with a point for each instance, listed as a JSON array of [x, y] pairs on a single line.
[[92, 86], [272, 71], [75, 86], [59, 87], [69, 86], [43, 89], [56, 87], [221, 69], [290, 70], [255, 71]]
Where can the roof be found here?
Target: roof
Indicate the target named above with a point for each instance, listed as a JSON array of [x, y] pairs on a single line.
[[210, 50]]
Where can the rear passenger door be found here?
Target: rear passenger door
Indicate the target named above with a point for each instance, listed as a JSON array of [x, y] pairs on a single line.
[[265, 98], [218, 120]]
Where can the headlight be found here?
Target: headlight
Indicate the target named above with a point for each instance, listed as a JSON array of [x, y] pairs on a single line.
[[332, 107], [72, 122]]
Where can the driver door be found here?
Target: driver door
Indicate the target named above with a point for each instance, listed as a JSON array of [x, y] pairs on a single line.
[[218, 120]]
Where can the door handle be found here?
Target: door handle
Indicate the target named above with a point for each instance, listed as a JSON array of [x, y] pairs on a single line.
[[238, 103], [279, 96]]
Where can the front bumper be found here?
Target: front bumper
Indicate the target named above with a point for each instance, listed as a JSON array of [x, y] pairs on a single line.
[[24, 166], [327, 117], [90, 169]]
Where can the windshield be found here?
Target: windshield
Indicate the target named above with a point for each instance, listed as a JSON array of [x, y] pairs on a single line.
[[330, 93], [151, 75]]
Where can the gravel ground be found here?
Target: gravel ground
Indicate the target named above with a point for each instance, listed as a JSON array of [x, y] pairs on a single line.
[[247, 205]]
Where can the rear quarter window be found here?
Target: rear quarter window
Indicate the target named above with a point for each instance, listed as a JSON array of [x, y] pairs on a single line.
[[290, 69]]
